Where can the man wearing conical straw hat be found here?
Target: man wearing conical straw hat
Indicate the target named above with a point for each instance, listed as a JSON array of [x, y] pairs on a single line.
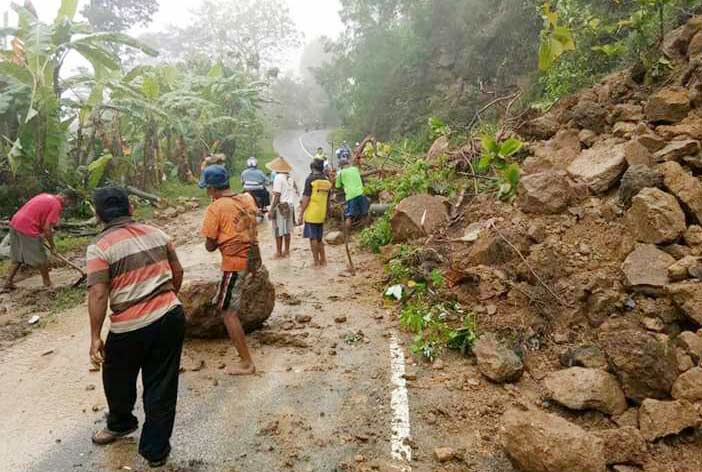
[[283, 205]]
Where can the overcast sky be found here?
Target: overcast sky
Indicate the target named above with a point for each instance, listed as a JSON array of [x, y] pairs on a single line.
[[313, 17]]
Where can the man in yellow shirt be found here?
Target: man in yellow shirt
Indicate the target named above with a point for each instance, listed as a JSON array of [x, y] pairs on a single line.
[[230, 226], [315, 203]]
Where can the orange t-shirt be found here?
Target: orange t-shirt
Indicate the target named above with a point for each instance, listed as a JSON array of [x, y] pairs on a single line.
[[231, 221]]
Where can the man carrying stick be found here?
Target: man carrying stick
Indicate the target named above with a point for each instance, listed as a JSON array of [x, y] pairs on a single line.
[[315, 203]]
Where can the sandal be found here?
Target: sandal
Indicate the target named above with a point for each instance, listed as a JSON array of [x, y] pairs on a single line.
[[105, 436], [160, 462]]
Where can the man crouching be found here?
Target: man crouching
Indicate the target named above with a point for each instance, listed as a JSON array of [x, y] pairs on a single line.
[[135, 267]]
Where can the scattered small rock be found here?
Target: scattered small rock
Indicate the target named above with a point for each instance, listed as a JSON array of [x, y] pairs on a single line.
[[497, 362], [444, 454]]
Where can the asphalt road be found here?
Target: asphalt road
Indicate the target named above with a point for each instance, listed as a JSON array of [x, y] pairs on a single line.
[[323, 399]]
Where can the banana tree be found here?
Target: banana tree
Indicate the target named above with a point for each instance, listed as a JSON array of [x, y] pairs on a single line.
[[35, 62]]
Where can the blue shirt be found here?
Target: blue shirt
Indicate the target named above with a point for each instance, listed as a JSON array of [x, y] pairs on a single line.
[[253, 179]]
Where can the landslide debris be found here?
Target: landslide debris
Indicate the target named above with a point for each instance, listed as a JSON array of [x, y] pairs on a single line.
[[588, 286]]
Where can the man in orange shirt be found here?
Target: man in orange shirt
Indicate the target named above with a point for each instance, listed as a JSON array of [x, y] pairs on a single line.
[[230, 226]]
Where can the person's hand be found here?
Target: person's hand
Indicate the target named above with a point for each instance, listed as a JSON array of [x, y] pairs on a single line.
[[270, 215], [97, 352]]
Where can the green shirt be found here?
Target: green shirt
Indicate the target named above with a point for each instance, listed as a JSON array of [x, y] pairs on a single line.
[[350, 180]]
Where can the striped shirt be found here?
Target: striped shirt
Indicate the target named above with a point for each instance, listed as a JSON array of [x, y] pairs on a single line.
[[133, 259]]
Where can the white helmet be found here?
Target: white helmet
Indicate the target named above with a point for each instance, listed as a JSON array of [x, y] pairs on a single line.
[[252, 162]]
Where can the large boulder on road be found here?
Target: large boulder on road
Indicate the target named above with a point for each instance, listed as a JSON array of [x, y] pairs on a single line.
[[418, 216], [535, 441], [205, 321]]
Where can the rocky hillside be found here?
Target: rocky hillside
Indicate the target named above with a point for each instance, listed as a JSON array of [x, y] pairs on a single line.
[[593, 276]]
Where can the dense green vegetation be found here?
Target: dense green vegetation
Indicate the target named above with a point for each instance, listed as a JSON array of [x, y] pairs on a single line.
[[129, 114], [402, 61]]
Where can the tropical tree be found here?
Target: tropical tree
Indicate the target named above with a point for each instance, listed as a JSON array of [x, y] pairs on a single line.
[[250, 36], [36, 142], [119, 15]]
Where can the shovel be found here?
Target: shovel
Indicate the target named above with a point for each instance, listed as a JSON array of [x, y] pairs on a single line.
[[83, 275]]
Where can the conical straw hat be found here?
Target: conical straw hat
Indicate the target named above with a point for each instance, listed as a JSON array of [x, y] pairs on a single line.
[[279, 164]]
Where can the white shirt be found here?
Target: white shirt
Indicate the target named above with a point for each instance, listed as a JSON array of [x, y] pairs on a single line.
[[284, 185]]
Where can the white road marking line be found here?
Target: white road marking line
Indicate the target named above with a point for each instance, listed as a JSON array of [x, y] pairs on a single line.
[[303, 146], [399, 403]]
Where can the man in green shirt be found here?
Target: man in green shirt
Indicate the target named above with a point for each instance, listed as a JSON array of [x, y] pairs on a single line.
[[349, 179]]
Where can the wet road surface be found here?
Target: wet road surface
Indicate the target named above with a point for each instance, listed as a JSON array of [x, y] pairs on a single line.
[[320, 402]]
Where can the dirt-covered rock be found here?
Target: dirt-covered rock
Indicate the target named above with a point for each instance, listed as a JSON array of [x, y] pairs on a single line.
[[690, 128], [676, 44], [668, 105], [651, 141], [659, 419], [439, 148], [496, 361], [334, 238], [691, 343], [545, 192], [636, 178], [601, 166], [555, 154], [688, 266], [693, 235], [646, 268], [687, 188], [418, 216], [688, 297], [589, 114], [590, 357], [689, 385], [627, 112], [645, 366], [579, 388], [636, 153], [624, 445], [677, 150], [536, 441], [205, 321], [490, 249], [655, 217]]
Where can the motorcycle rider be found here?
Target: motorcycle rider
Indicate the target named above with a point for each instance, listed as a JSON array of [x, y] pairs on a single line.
[[254, 181]]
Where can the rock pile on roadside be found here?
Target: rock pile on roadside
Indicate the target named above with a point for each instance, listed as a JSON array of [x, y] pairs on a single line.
[[597, 264]]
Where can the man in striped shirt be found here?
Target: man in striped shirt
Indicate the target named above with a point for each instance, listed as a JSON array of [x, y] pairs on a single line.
[[134, 266]]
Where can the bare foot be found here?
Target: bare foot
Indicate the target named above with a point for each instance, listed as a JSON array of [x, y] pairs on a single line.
[[242, 369], [278, 256]]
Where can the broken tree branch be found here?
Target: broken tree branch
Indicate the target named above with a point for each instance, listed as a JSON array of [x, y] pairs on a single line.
[[496, 101]]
